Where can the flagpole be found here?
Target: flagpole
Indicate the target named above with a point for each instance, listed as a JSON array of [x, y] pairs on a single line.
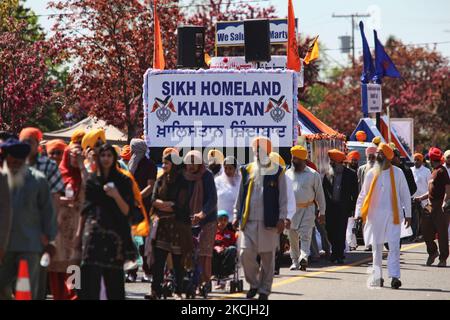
[[388, 109]]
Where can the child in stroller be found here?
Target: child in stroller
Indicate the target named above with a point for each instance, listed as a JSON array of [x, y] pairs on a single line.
[[225, 250]]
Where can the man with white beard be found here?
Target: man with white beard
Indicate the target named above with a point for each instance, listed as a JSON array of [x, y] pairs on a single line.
[[33, 218], [383, 202], [260, 210]]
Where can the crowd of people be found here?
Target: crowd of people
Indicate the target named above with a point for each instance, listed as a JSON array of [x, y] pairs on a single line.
[[111, 210]]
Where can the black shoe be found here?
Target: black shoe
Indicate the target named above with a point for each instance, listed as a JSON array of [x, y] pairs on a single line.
[[252, 293], [431, 258], [442, 264], [396, 283], [276, 272], [340, 261], [263, 296], [303, 264], [333, 259]]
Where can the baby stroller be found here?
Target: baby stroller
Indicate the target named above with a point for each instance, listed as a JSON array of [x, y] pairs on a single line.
[[236, 285], [192, 279]]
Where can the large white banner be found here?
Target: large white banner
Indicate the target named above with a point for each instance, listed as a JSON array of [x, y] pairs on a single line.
[[219, 108]]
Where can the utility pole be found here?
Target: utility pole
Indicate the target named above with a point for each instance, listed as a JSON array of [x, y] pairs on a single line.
[[353, 16]]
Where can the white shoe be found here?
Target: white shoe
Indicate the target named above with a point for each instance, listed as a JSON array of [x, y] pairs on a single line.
[[294, 266]]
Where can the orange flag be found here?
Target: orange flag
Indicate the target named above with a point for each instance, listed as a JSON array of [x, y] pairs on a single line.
[[293, 59], [158, 53]]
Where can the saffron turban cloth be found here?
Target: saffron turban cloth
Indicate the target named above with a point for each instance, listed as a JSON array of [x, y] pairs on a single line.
[[277, 159], [126, 153], [377, 140], [446, 154], [418, 156], [299, 152], [30, 132], [262, 143], [215, 156], [435, 154], [387, 151], [77, 136], [371, 150], [336, 155], [361, 136], [56, 144], [15, 148], [196, 155], [90, 139], [353, 155]]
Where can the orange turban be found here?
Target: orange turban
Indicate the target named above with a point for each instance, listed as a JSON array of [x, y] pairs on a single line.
[[299, 152], [418, 156], [435, 154], [277, 159], [90, 139], [170, 151], [353, 155], [387, 150], [31, 133], [56, 144], [262, 143], [215, 156], [336, 155], [77, 136], [126, 153], [361, 136]]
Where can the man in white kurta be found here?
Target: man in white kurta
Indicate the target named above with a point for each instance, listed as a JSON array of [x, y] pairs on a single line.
[[379, 226], [308, 191], [256, 239]]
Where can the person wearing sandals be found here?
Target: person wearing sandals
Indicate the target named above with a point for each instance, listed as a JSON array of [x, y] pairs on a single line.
[[170, 202]]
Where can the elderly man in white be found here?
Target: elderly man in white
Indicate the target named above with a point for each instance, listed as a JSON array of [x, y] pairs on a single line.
[[384, 204]]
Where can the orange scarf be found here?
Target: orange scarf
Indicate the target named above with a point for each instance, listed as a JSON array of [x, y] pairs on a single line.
[[366, 203]]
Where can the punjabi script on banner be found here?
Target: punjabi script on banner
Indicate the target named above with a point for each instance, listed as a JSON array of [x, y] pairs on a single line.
[[221, 109]]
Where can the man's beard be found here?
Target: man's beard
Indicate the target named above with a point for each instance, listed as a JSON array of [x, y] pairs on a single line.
[[15, 180], [379, 166]]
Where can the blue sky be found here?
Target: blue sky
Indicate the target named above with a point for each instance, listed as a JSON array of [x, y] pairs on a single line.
[[412, 21]]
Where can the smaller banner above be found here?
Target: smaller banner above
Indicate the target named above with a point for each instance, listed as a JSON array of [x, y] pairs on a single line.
[[231, 33]]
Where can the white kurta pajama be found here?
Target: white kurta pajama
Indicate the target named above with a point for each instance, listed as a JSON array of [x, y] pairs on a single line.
[[379, 227], [256, 239], [307, 186]]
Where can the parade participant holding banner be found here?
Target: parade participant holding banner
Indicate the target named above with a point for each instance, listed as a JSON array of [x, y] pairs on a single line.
[[170, 202], [308, 191], [384, 204], [340, 185], [260, 210], [215, 162], [203, 209], [227, 185]]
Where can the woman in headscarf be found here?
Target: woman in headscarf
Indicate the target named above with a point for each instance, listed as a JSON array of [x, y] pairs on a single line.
[[105, 226], [74, 176], [227, 185], [203, 209], [144, 172], [170, 201]]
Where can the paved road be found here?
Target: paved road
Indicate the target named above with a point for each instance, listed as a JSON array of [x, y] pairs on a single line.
[[349, 281]]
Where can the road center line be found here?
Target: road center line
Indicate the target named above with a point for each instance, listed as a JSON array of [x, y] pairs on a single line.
[[316, 273]]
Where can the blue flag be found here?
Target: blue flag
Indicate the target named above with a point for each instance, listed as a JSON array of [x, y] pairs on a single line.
[[384, 67], [368, 70]]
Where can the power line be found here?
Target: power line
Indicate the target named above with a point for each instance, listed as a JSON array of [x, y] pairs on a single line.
[[398, 46]]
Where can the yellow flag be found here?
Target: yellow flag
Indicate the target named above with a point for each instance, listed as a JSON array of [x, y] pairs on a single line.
[[207, 59], [313, 51]]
